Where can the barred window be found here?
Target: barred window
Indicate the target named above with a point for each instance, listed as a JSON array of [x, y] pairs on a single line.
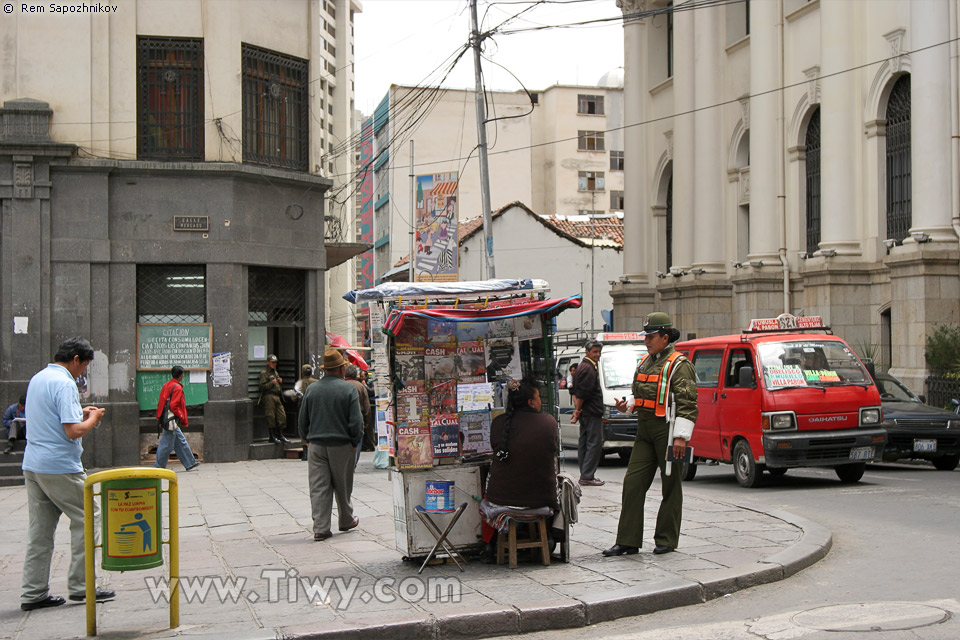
[[590, 181], [275, 109], [590, 105], [899, 186], [616, 200], [616, 161], [590, 140], [171, 293], [812, 142], [169, 98], [276, 297]]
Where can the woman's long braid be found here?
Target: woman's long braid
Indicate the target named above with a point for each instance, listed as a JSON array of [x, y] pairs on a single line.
[[519, 393]]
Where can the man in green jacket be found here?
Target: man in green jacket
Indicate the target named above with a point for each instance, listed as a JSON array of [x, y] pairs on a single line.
[[331, 423]]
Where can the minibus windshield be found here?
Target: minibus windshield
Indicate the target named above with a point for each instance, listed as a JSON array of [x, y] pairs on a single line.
[[618, 363], [810, 362]]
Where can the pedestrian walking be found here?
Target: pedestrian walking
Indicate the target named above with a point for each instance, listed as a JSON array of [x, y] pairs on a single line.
[[664, 382], [332, 424], [170, 440], [54, 475]]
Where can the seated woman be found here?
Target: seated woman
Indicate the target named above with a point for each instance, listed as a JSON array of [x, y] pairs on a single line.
[[523, 474]]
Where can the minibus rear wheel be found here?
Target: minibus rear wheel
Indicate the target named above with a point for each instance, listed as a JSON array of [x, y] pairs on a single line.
[[850, 473], [744, 466]]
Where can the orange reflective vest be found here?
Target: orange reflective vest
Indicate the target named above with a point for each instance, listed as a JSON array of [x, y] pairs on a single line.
[[662, 380]]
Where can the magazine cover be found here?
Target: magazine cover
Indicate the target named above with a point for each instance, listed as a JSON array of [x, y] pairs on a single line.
[[412, 407], [443, 397], [471, 362], [441, 333], [414, 446], [471, 331], [410, 369], [384, 423], [500, 328], [503, 359], [445, 432], [528, 327], [413, 335], [474, 397], [475, 428], [440, 363]]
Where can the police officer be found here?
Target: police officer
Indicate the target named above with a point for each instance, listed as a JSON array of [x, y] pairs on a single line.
[[271, 395], [662, 376]]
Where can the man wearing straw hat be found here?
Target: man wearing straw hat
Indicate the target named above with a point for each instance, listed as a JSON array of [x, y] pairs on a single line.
[[331, 423]]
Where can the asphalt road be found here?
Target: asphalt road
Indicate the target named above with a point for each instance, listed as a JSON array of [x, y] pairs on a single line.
[[893, 571]]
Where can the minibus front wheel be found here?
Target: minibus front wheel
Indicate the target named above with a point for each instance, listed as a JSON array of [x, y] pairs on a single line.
[[744, 466], [850, 473]]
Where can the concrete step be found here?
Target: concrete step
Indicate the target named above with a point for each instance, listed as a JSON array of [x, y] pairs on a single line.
[[269, 451], [11, 481]]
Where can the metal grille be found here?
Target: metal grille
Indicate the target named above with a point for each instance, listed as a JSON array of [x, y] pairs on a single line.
[[276, 297], [275, 125], [813, 183], [899, 210], [171, 293], [169, 98], [941, 390], [670, 223]]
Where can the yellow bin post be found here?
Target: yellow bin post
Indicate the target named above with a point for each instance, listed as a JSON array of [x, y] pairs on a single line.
[[131, 511]]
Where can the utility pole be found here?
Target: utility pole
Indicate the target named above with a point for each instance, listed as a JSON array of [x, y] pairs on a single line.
[[413, 212], [482, 146]]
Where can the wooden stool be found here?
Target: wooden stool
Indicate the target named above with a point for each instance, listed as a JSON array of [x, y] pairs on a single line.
[[513, 543]]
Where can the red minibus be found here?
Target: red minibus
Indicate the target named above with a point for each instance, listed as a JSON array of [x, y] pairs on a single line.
[[785, 393]]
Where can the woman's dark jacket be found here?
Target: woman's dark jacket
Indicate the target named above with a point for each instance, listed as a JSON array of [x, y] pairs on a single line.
[[528, 477]]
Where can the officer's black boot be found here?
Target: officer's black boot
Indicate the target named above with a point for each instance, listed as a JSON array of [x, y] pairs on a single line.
[[282, 437], [273, 436]]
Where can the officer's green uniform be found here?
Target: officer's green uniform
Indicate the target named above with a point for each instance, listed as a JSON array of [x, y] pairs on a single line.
[[649, 453], [271, 396]]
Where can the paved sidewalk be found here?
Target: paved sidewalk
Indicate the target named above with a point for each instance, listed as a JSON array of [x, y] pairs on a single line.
[[242, 519]]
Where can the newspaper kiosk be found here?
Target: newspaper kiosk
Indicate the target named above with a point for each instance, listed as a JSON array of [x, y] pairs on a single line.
[[450, 348]]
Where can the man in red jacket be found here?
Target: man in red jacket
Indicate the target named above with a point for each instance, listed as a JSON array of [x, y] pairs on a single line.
[[170, 440]]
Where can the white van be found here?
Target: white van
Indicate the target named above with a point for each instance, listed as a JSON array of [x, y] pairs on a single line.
[[618, 362]]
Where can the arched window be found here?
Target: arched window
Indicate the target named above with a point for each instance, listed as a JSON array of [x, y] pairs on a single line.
[[812, 144], [899, 213], [670, 223]]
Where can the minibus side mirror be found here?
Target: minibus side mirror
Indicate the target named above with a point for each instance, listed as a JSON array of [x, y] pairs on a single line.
[[746, 379]]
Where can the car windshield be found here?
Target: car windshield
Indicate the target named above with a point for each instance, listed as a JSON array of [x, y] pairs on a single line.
[[892, 389], [810, 362], [618, 363]]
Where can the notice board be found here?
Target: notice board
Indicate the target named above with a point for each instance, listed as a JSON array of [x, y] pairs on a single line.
[[161, 346]]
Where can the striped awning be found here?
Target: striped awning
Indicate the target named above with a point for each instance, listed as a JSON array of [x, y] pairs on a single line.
[[548, 308], [444, 189]]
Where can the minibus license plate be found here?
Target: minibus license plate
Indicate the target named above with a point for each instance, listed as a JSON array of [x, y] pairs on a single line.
[[861, 453], [924, 445]]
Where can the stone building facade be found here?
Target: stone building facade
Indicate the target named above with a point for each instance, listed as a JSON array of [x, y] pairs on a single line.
[[792, 155], [160, 168]]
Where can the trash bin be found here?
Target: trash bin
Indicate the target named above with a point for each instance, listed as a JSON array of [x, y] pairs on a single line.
[[132, 524]]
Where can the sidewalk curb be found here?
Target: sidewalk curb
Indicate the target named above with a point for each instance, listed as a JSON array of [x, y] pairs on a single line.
[[566, 613]]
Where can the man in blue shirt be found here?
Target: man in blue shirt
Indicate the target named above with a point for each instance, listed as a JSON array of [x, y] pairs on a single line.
[[54, 474], [14, 422]]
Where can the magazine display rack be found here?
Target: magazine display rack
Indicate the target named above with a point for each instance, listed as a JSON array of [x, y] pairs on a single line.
[[450, 349]]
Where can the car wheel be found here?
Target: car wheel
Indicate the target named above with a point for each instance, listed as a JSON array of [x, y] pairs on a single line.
[[850, 473], [946, 463], [776, 472], [688, 471], [624, 453], [744, 466]]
